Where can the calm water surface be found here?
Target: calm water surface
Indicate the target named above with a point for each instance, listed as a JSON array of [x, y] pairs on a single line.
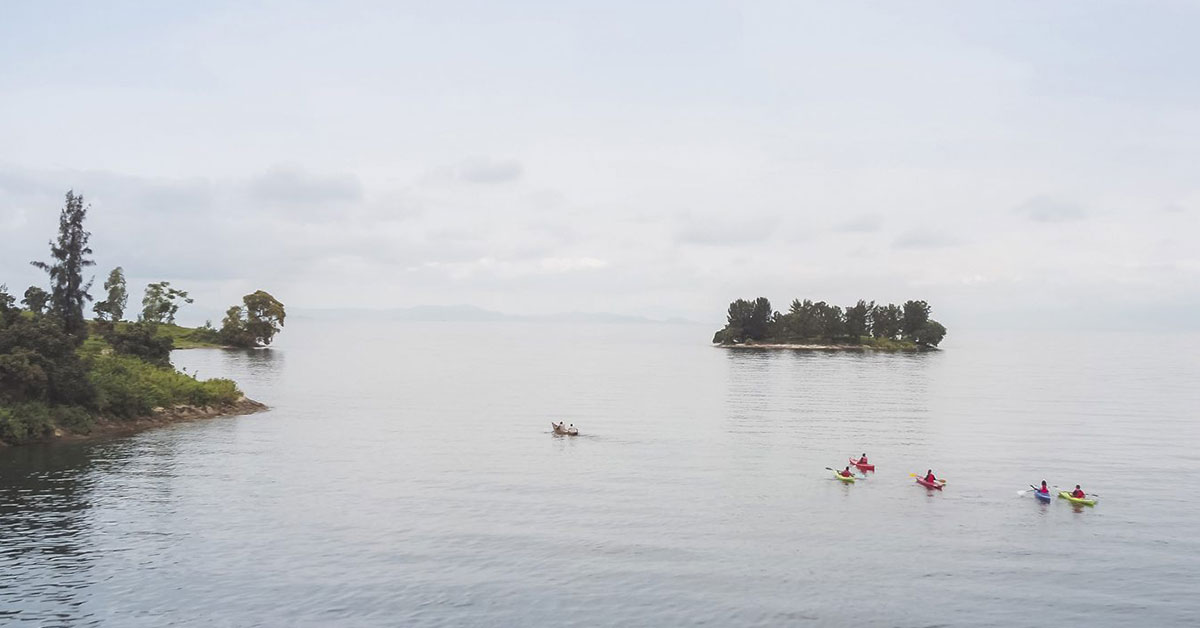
[[406, 476]]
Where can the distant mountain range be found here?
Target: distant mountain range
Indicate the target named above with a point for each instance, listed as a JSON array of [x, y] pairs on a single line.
[[473, 314]]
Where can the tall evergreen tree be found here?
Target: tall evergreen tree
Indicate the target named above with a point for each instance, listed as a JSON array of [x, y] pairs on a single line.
[[69, 257]]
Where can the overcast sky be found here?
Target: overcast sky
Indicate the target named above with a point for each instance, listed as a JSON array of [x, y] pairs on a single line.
[[1006, 159]]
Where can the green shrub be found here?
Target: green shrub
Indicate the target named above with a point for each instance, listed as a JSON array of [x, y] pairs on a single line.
[[24, 422], [142, 340], [128, 387], [40, 363], [73, 418]]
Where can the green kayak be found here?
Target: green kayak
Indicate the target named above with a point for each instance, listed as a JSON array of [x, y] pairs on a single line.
[[1075, 500]]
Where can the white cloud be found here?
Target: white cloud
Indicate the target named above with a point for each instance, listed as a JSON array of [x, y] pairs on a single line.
[[484, 170], [636, 159], [1046, 209]]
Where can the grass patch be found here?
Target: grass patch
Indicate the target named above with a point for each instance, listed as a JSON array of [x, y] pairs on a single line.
[[191, 337], [183, 337]]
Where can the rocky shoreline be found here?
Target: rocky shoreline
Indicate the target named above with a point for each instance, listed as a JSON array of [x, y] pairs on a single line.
[[108, 427], [771, 345]]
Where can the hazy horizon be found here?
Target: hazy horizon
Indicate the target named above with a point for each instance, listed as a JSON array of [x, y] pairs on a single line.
[[1028, 165]]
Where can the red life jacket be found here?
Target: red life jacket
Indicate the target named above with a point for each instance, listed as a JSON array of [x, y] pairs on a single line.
[[1078, 494]]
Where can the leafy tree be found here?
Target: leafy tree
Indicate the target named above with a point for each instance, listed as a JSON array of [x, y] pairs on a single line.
[[255, 322], [233, 328], [885, 321], [914, 318], [931, 334], [8, 307], [112, 309], [68, 291], [39, 362], [737, 319], [35, 299], [827, 321], [760, 319], [802, 321], [160, 303], [141, 340], [858, 319]]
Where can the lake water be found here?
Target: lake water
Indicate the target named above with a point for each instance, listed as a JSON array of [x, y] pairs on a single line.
[[406, 476]]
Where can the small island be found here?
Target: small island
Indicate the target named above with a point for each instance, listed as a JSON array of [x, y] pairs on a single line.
[[63, 377], [820, 326]]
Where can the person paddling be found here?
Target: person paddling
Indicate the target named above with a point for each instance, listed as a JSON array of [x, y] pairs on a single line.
[[1045, 490], [929, 477], [846, 473], [863, 460], [1078, 493]]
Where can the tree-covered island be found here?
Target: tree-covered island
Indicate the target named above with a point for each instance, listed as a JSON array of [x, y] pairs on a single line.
[[63, 376], [863, 325]]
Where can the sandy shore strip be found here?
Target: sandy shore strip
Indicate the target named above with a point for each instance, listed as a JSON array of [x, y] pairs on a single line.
[[811, 347]]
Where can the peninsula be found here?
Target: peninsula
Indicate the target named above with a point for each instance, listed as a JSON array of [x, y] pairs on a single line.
[[821, 326], [65, 377]]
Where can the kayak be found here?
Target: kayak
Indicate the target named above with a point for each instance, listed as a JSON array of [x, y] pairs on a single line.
[[1075, 500], [838, 475], [935, 485], [1042, 496], [569, 431], [863, 466]]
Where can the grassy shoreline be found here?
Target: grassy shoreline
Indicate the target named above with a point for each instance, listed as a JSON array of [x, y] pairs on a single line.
[[182, 337], [126, 394]]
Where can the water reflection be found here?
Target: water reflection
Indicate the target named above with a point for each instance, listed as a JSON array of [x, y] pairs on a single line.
[[45, 514]]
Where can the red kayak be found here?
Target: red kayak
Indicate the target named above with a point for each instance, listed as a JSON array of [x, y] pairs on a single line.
[[861, 465], [935, 485]]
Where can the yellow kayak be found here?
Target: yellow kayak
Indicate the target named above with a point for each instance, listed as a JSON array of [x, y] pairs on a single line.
[[838, 475], [1075, 500]]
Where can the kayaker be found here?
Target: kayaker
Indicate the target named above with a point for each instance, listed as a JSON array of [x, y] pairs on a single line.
[[1078, 493], [929, 477], [1045, 490], [863, 460], [846, 473]]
